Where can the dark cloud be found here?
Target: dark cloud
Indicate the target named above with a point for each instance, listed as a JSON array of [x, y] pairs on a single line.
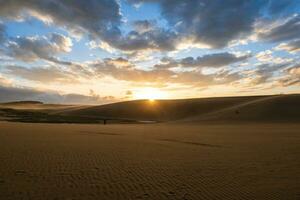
[[30, 49], [153, 39], [216, 23], [2, 33], [147, 36], [288, 30], [96, 17], [210, 60], [291, 78], [142, 26], [213, 60], [213, 23], [292, 46], [8, 93], [264, 72], [285, 82], [100, 19]]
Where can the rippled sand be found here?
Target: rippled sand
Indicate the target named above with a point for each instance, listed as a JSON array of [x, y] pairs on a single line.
[[149, 161]]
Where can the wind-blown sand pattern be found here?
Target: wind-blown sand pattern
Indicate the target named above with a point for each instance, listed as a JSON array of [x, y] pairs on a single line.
[[149, 161]]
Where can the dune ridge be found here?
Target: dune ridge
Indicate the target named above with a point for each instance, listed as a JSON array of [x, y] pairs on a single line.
[[254, 108], [279, 108]]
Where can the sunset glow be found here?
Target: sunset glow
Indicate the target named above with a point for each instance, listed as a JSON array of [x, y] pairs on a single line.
[[149, 99], [104, 51], [150, 94]]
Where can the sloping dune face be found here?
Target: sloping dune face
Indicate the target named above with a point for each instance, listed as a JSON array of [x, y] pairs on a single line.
[[161, 110], [277, 108], [283, 108]]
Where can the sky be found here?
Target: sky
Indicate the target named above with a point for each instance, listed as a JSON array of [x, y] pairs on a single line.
[[102, 51]]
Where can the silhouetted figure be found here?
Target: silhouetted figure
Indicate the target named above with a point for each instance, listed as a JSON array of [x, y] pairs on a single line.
[[104, 121]]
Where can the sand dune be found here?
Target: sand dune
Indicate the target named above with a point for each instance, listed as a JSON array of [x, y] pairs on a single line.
[[280, 108], [160, 110], [283, 108]]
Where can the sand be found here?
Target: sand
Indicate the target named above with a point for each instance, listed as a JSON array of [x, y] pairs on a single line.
[[149, 161], [244, 109]]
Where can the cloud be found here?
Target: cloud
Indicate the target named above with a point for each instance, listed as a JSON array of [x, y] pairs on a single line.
[[128, 94], [146, 36], [285, 82], [291, 47], [264, 56], [264, 73], [129, 73], [30, 49], [284, 31], [2, 33], [214, 60], [119, 62], [203, 22], [217, 23], [99, 19], [210, 60], [4, 81], [48, 74], [142, 26], [267, 57], [118, 68], [161, 75], [154, 39], [62, 43], [292, 77], [295, 70], [9, 93], [95, 17]]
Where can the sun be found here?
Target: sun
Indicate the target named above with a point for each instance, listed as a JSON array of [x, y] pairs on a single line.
[[150, 93]]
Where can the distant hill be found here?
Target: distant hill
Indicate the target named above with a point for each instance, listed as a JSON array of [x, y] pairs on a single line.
[[13, 103], [276, 108]]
